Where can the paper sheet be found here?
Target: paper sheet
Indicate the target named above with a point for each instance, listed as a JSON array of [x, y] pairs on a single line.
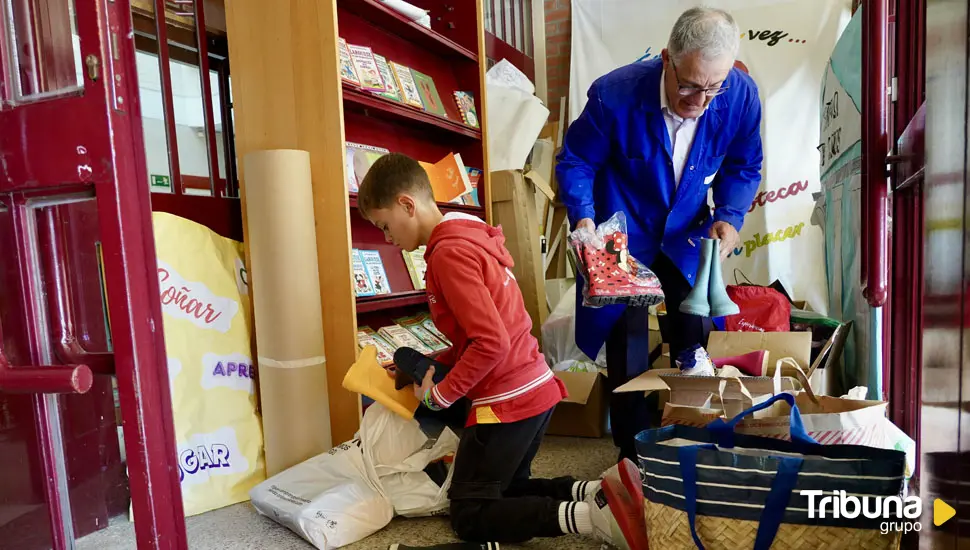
[[515, 119], [286, 298]]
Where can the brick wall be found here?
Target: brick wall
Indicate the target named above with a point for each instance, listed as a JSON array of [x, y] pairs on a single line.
[[558, 41]]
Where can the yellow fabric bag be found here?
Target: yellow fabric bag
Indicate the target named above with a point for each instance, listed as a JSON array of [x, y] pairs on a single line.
[[206, 313]]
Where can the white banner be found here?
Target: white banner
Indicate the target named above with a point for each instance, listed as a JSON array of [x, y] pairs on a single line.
[[785, 46]]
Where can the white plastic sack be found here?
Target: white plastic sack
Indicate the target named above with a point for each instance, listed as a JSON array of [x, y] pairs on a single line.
[[356, 488], [330, 500], [559, 339], [399, 452]]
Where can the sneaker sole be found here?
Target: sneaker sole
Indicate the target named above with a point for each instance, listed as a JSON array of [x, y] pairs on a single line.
[[625, 499]]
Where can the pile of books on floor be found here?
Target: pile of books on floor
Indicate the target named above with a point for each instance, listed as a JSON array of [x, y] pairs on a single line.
[[417, 332]]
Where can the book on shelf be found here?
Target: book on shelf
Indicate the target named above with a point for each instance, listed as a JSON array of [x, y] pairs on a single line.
[[448, 176], [405, 81], [399, 337], [375, 271], [362, 284], [474, 177], [385, 351], [359, 158], [370, 77], [429, 93], [416, 266], [413, 324], [391, 91], [466, 108], [426, 322], [347, 70]]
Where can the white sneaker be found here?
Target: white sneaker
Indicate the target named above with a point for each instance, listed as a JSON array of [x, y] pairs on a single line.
[[616, 509]]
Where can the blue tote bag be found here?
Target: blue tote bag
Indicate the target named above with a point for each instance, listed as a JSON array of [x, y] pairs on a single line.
[[713, 489]]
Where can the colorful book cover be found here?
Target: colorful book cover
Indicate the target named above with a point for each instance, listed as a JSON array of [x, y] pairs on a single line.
[[427, 338], [367, 337], [448, 178], [405, 81], [362, 158], [427, 323], [375, 270], [347, 70], [416, 266], [362, 284], [391, 91], [429, 93], [466, 108], [367, 72], [402, 337], [474, 177]]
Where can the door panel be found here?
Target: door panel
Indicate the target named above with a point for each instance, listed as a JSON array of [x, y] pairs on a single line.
[[71, 171]]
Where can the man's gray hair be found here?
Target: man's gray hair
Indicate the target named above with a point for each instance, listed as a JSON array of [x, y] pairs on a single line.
[[710, 31]]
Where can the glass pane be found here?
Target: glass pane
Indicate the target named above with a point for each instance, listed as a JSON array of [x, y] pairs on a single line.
[[193, 145], [519, 25], [527, 25], [214, 88], [24, 520], [507, 17], [96, 478], [153, 125], [46, 50], [489, 13]]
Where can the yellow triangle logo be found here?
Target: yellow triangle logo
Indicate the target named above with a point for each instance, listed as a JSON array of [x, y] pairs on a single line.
[[942, 512]]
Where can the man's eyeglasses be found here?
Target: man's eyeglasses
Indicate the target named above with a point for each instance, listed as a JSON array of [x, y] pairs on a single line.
[[691, 90]]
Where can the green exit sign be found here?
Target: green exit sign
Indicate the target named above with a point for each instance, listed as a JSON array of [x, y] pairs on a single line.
[[161, 183]]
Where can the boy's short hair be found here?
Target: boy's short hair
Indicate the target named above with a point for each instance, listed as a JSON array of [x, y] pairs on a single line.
[[392, 175]]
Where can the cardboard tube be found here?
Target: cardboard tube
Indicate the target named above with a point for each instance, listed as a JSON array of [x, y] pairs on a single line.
[[286, 299]]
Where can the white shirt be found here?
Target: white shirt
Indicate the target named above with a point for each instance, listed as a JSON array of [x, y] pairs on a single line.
[[680, 130]]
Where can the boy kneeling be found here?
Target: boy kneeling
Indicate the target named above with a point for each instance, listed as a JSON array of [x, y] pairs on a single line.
[[495, 363]]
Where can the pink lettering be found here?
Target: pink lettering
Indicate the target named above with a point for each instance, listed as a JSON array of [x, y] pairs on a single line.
[[763, 198], [181, 298]]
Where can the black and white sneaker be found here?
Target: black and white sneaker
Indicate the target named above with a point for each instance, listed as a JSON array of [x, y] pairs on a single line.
[[449, 546]]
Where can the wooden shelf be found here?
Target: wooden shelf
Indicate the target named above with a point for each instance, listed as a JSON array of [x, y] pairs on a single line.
[[395, 23], [387, 108], [368, 304], [443, 206]]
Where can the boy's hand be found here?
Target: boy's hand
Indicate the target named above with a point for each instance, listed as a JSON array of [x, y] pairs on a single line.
[[426, 385]]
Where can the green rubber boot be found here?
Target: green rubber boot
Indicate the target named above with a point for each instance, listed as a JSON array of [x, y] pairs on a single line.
[[697, 301], [721, 304]]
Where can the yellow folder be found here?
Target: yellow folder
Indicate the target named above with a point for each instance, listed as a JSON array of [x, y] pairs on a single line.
[[368, 377]]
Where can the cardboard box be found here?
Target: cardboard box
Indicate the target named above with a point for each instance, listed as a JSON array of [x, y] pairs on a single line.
[[583, 413], [513, 207]]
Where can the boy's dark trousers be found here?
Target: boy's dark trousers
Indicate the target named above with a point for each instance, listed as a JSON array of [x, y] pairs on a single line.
[[628, 354], [492, 496]]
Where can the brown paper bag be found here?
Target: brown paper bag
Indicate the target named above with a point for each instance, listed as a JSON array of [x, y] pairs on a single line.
[[829, 420]]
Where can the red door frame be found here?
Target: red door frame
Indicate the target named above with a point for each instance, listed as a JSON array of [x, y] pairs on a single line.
[[106, 117]]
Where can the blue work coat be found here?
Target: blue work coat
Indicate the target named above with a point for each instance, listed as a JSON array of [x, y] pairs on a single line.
[[617, 158]]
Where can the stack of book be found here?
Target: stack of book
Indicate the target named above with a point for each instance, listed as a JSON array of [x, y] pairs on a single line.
[[372, 72], [451, 180], [370, 278], [417, 332]]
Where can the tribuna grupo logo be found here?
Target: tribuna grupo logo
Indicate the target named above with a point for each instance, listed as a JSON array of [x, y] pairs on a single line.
[[899, 514]]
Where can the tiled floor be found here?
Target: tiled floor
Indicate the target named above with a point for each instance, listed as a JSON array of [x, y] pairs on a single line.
[[240, 527]]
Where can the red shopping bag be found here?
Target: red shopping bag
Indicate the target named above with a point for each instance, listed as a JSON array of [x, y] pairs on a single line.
[[763, 309]]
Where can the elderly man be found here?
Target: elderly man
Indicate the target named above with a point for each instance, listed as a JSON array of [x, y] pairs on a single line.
[[654, 139]]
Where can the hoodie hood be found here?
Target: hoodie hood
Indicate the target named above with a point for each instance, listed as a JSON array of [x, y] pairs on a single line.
[[458, 229]]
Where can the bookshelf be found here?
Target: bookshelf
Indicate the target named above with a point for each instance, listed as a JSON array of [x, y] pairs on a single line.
[[288, 94]]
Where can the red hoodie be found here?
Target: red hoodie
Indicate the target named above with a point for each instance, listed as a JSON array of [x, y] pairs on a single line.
[[475, 301]]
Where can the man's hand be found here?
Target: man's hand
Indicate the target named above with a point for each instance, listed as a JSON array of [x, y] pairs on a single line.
[[728, 235], [587, 223], [426, 385]]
